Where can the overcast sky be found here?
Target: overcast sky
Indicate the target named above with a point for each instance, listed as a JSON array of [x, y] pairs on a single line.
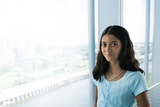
[[49, 21], [62, 21]]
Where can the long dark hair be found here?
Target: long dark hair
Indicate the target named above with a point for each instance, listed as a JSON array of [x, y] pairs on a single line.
[[126, 57]]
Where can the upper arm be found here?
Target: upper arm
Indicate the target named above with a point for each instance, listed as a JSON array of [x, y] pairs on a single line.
[[96, 94], [143, 100], [95, 97]]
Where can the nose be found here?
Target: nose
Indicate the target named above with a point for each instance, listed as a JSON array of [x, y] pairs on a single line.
[[108, 48]]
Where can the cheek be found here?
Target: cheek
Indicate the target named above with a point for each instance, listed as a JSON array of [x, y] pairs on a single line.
[[102, 50], [117, 51]]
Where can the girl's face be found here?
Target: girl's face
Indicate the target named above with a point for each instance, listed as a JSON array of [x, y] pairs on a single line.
[[110, 47]]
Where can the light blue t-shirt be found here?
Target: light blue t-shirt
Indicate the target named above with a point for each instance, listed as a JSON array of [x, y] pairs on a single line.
[[120, 93]]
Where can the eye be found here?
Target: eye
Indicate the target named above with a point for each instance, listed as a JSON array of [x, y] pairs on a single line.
[[104, 45], [113, 44]]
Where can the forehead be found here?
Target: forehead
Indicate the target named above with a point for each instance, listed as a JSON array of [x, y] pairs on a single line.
[[108, 37]]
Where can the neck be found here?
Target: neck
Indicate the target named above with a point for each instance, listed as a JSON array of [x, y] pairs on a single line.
[[114, 68]]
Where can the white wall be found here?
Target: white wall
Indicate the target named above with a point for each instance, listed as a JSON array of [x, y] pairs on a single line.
[[108, 14]]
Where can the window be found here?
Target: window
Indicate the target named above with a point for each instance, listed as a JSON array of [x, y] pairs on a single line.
[[43, 45], [134, 19]]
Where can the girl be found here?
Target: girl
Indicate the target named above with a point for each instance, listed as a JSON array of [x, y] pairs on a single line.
[[117, 77]]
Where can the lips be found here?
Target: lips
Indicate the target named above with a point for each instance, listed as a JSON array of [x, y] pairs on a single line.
[[109, 55]]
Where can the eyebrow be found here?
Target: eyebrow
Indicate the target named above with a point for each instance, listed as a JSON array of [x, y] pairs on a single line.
[[110, 42], [103, 42], [114, 41]]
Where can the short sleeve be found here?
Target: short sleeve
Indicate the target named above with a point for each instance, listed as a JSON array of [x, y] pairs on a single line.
[[94, 81], [139, 84]]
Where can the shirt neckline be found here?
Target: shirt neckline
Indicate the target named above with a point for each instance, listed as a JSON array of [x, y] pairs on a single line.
[[117, 80]]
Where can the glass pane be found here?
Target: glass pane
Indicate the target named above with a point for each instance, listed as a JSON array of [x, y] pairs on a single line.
[[134, 22], [43, 52]]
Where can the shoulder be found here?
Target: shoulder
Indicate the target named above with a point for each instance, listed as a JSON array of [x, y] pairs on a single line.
[[96, 82], [135, 74], [138, 82]]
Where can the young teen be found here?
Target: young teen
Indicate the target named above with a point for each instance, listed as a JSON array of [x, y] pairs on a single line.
[[117, 77]]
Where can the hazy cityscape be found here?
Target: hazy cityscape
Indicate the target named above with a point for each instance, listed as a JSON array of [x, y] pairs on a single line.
[[23, 60]]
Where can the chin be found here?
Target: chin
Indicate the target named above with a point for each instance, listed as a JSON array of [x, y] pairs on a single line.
[[109, 60]]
